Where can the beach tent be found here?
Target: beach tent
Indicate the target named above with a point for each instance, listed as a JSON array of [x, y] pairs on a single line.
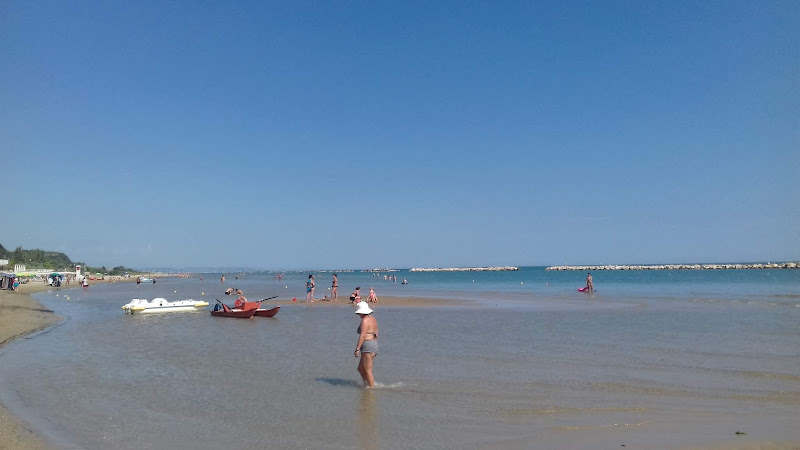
[[7, 280]]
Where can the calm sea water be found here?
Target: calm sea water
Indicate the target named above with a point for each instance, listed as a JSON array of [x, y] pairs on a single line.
[[654, 359], [535, 283]]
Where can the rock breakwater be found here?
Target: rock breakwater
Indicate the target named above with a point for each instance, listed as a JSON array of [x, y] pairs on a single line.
[[786, 265], [463, 269]]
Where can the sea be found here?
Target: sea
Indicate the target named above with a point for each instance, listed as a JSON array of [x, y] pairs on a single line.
[[652, 359]]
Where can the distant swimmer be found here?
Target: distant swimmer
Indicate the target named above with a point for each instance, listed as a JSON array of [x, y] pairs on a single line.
[[589, 282], [367, 346], [222, 279], [404, 281]]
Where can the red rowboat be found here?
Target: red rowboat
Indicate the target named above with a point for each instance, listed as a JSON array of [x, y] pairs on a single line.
[[267, 312], [260, 312], [238, 313]]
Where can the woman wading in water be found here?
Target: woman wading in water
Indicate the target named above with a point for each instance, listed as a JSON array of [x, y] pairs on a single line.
[[367, 343]]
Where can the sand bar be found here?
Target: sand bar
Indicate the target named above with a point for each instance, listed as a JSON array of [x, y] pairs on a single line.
[[383, 301]]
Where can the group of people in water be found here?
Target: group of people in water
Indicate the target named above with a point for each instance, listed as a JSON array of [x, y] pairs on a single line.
[[355, 297], [392, 278], [367, 345]]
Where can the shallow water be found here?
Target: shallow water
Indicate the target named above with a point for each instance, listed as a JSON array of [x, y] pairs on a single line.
[[573, 371]]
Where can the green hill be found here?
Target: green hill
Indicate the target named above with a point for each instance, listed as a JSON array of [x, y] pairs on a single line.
[[41, 259], [36, 258]]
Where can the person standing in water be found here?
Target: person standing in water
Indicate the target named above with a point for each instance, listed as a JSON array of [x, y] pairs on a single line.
[[310, 289], [335, 288], [589, 282], [367, 346]]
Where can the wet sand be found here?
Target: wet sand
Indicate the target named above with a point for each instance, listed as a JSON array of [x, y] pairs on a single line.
[[20, 315]]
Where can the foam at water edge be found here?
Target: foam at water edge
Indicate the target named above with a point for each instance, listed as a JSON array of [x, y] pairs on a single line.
[[397, 385]]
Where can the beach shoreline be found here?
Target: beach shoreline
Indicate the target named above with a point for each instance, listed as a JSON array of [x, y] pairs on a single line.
[[21, 315]]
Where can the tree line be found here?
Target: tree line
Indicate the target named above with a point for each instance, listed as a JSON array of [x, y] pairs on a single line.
[[56, 261]]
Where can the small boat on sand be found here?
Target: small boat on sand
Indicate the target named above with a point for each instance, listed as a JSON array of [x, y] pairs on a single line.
[[161, 305]]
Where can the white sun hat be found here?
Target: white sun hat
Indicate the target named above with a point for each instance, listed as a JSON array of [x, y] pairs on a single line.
[[363, 308]]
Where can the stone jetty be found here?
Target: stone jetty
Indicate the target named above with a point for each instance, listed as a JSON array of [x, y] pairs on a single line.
[[786, 265], [464, 269]]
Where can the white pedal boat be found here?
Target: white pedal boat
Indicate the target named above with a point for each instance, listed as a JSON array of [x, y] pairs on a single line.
[[159, 305]]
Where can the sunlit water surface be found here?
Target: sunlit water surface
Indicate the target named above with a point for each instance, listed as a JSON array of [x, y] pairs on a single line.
[[515, 370]]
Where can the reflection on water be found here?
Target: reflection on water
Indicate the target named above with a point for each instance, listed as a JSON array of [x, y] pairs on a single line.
[[447, 378], [367, 418], [340, 382]]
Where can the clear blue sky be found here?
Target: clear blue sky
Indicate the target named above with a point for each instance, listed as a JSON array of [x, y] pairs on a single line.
[[335, 134]]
